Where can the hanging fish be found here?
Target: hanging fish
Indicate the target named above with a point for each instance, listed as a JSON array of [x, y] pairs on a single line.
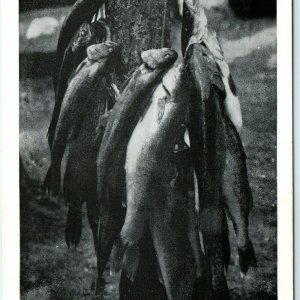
[[237, 195], [207, 142], [156, 197], [80, 179], [126, 112], [111, 157], [81, 12], [83, 86], [74, 54], [209, 71]]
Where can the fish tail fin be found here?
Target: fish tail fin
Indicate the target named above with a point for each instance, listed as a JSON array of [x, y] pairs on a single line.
[[73, 226], [52, 181], [159, 274], [131, 262], [117, 257], [125, 256], [247, 258], [201, 287]]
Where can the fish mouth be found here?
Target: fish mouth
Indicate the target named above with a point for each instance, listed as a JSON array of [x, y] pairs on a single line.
[[112, 46], [169, 57], [159, 58]]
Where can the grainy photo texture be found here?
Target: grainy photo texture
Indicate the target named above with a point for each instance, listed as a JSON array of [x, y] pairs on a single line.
[[148, 149]]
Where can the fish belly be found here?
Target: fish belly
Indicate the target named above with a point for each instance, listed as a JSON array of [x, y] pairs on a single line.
[[142, 168]]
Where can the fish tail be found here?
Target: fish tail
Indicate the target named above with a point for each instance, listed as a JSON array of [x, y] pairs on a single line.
[[117, 256], [131, 262], [109, 226], [73, 226], [124, 256], [201, 287], [159, 274], [247, 258], [237, 197], [52, 181], [219, 287]]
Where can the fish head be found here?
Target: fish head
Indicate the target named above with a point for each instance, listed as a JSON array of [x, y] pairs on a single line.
[[101, 51], [159, 58], [82, 37]]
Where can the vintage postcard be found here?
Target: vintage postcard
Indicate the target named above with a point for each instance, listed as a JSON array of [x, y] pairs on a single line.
[[150, 153]]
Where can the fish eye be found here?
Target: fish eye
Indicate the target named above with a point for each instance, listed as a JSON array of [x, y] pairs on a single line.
[[110, 49], [167, 56]]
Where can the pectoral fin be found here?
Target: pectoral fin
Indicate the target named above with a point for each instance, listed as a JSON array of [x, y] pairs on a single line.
[[160, 277], [187, 138], [247, 258], [117, 256]]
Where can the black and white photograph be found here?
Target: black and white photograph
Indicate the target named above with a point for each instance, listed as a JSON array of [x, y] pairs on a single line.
[[148, 150]]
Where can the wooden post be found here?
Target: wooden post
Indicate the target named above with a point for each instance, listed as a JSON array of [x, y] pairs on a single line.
[[137, 25]]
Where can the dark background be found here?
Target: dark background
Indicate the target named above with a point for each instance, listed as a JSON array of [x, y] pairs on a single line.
[[243, 8]]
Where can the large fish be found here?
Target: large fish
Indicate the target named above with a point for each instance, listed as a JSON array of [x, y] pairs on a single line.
[[207, 138], [83, 86], [112, 153], [125, 114], [237, 195], [157, 194], [235, 185], [80, 179], [74, 54], [207, 141], [81, 12]]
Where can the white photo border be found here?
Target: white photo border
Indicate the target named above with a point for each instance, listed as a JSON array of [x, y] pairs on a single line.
[[9, 149]]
